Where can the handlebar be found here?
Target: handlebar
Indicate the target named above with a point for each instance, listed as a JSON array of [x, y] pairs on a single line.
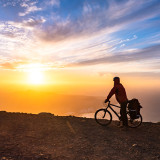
[[107, 102]]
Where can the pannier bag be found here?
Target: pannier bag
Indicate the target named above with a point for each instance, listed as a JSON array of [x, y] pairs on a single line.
[[134, 108]]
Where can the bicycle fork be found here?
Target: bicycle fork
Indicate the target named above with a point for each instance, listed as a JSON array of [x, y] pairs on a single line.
[[105, 112]]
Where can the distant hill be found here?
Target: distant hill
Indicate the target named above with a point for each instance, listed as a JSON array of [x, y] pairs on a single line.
[[48, 137], [35, 101], [59, 104]]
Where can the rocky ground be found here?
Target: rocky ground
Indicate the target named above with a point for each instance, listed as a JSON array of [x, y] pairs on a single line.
[[49, 137]]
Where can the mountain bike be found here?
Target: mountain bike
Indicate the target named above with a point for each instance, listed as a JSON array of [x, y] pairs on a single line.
[[104, 117]]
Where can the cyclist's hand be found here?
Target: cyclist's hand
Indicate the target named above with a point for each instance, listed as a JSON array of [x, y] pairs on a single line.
[[106, 100]]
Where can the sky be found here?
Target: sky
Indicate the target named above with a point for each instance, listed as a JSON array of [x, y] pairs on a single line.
[[80, 45]]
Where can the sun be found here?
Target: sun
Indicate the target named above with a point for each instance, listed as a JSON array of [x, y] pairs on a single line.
[[35, 77], [35, 73]]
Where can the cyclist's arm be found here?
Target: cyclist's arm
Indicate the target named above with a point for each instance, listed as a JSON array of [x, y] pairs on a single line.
[[112, 92]]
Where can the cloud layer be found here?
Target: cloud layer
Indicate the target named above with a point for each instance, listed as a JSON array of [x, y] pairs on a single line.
[[142, 54], [78, 34]]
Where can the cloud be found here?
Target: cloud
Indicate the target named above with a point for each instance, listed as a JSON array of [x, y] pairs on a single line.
[[29, 8], [9, 63], [53, 3], [8, 34], [22, 63], [7, 66], [133, 74], [10, 30], [122, 45], [6, 3], [84, 37], [33, 22], [27, 65], [127, 40], [116, 17], [56, 31], [87, 8], [151, 52]]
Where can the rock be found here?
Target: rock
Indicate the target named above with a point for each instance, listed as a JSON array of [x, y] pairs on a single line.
[[134, 145], [4, 158]]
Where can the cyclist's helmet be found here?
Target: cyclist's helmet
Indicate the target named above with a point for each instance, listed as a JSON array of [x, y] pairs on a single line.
[[116, 78]]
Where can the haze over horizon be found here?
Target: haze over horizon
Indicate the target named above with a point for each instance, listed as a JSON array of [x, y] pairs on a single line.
[[75, 48]]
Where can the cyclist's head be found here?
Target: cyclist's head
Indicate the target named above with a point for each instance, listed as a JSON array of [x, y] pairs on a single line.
[[116, 80]]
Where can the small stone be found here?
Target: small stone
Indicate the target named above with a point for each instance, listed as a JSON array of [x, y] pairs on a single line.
[[41, 154], [4, 158], [134, 145]]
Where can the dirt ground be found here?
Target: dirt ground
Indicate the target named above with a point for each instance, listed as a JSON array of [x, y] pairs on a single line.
[[49, 137]]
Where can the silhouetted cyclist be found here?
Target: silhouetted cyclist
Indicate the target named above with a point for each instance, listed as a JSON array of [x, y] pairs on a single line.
[[121, 97]]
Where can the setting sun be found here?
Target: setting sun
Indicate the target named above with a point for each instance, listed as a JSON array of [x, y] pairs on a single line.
[[35, 73], [36, 77]]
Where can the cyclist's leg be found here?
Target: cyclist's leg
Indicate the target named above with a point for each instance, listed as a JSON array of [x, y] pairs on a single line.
[[124, 114], [121, 114]]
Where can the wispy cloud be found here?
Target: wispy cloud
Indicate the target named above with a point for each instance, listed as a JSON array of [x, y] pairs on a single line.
[[29, 8], [127, 40], [53, 3], [98, 19], [143, 54], [31, 22]]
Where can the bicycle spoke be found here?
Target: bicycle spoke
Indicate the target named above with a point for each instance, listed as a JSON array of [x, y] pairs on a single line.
[[103, 117], [133, 123]]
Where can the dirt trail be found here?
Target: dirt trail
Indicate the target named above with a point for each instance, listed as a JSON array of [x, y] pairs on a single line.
[[48, 137]]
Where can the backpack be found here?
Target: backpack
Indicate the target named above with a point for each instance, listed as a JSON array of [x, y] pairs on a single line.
[[134, 108]]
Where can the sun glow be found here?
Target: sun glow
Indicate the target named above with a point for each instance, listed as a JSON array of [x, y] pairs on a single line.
[[35, 77], [35, 72]]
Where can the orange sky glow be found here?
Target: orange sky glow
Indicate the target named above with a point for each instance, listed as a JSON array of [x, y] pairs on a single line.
[[61, 57]]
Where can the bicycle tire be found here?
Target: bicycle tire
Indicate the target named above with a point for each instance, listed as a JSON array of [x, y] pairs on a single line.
[[134, 123], [102, 120]]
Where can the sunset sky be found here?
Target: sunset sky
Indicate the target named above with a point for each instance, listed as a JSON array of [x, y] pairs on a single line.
[[77, 46]]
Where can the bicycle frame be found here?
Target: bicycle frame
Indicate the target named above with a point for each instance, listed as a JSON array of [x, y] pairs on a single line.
[[109, 106], [102, 119]]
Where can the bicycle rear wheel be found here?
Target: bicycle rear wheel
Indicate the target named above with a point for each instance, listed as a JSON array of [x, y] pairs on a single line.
[[134, 123], [103, 117]]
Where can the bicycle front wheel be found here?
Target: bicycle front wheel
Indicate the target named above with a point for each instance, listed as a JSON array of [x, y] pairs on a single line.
[[103, 117], [134, 123]]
